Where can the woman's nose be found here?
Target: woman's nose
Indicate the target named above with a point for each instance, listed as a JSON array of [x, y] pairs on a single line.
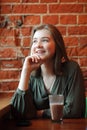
[[39, 43]]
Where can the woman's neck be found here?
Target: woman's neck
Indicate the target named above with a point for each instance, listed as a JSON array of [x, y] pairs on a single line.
[[47, 69]]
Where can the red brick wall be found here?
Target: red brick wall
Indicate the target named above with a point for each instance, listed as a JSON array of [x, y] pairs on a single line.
[[16, 21]]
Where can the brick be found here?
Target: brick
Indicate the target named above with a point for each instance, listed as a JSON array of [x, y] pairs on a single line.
[[6, 93], [9, 74], [30, 1], [11, 64], [8, 53], [83, 40], [68, 19], [2, 18], [77, 30], [82, 19], [15, 20], [86, 8], [65, 8], [82, 51], [83, 62], [26, 42], [48, 1], [9, 86], [29, 9], [5, 9], [53, 19], [71, 41], [17, 41], [31, 20], [62, 29], [6, 32], [9, 42], [85, 73], [73, 51], [9, 1], [25, 51], [82, 1], [70, 1], [26, 31], [74, 59]]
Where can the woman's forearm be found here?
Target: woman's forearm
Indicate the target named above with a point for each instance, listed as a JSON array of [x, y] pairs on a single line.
[[25, 76], [24, 79]]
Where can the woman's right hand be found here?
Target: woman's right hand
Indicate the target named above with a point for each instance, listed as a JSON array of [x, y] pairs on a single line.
[[32, 62]]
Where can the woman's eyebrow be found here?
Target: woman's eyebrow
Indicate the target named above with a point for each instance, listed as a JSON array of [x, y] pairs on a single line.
[[41, 38], [46, 37]]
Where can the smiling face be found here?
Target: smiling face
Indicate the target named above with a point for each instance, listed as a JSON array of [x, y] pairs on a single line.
[[43, 44]]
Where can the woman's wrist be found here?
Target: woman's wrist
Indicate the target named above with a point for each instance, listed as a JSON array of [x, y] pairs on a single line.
[[40, 113]]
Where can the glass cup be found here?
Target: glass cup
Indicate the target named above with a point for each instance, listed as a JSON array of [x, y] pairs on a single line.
[[56, 103]]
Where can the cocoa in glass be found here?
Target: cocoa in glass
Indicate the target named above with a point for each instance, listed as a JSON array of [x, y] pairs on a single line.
[[56, 107]]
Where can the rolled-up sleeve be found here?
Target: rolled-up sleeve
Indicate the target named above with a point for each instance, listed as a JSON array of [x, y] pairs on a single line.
[[23, 105]]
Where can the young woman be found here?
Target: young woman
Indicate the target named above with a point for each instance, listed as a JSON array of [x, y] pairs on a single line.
[[47, 70]]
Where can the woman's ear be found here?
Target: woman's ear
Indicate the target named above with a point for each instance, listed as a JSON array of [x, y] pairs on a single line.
[[63, 60]]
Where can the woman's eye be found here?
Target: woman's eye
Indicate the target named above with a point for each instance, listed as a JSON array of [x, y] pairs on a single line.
[[45, 40], [34, 41]]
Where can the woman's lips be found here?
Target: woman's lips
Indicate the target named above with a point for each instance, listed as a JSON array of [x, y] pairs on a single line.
[[40, 51]]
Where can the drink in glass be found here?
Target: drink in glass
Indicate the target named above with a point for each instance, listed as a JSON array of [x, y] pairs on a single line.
[[56, 107]]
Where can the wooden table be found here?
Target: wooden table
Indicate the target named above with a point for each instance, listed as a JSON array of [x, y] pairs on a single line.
[[5, 103], [47, 124], [37, 124]]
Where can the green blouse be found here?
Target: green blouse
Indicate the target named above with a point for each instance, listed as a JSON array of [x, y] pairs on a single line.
[[70, 84]]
